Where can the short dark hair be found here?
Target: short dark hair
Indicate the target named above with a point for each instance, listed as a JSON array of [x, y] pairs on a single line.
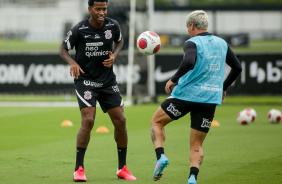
[[91, 2]]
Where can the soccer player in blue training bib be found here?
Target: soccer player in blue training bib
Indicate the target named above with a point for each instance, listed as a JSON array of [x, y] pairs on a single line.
[[197, 88], [97, 41]]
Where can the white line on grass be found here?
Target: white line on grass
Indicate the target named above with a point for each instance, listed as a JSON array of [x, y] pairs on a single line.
[[38, 104]]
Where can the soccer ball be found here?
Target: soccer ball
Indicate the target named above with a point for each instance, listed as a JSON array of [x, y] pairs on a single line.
[[252, 112], [244, 117], [148, 43], [274, 116]]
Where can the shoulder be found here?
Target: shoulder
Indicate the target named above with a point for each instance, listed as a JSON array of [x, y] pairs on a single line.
[[218, 38], [81, 25], [193, 41], [111, 22], [195, 38], [189, 44]]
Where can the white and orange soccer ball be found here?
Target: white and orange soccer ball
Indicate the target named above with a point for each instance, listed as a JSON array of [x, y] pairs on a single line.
[[274, 116], [252, 112], [244, 117], [148, 43]]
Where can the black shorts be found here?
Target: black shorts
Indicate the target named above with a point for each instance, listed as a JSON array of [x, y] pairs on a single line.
[[201, 113], [88, 92]]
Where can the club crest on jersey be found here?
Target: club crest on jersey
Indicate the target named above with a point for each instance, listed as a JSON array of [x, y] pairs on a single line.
[[87, 95], [108, 34]]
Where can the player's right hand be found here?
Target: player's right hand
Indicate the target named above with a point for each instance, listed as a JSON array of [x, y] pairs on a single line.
[[75, 70], [169, 86]]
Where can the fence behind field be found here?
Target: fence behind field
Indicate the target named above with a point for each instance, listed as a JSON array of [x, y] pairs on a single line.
[[48, 74]]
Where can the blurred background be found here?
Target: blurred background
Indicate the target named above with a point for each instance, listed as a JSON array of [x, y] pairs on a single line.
[[31, 32], [39, 114]]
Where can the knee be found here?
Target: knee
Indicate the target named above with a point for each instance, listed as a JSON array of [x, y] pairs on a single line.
[[156, 123], [122, 120], [88, 122], [120, 123], [152, 123]]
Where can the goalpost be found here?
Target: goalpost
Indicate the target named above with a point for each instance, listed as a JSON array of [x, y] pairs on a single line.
[[130, 52], [150, 59]]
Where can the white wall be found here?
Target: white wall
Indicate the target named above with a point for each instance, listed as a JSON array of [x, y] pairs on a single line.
[[40, 23], [259, 21], [222, 22]]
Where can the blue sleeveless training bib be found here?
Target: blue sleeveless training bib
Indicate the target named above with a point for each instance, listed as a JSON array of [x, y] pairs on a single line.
[[204, 83]]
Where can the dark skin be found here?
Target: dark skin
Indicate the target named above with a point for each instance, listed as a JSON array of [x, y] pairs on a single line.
[[98, 13]]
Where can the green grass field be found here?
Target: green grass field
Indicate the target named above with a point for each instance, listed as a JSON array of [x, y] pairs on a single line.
[[35, 148], [255, 100], [255, 46]]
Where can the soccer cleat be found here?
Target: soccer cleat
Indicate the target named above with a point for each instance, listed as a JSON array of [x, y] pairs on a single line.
[[79, 175], [125, 174], [192, 180], [160, 165]]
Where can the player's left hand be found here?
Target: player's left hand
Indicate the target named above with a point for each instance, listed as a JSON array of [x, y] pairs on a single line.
[[169, 86], [223, 96], [109, 62]]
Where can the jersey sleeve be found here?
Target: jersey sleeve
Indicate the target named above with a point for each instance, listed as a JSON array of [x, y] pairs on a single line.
[[236, 68], [117, 33], [71, 38], [188, 62]]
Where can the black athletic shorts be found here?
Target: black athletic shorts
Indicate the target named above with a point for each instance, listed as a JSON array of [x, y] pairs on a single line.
[[201, 113], [88, 92]]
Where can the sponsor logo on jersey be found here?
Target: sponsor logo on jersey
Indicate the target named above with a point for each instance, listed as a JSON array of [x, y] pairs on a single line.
[[94, 52], [83, 27], [211, 87], [215, 77], [213, 67], [92, 49], [108, 34], [115, 88], [86, 36], [206, 123], [97, 36], [213, 57], [92, 83], [94, 44], [171, 108], [87, 95], [109, 24]]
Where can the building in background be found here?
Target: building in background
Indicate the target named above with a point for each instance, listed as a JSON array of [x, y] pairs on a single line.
[[41, 20], [48, 21]]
